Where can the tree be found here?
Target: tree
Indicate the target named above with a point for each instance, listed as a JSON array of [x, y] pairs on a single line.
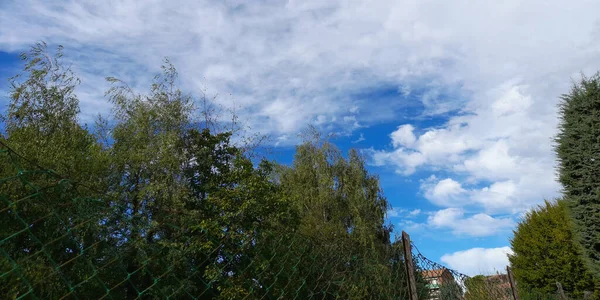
[[451, 291], [545, 252], [42, 118], [578, 149], [342, 212], [476, 288], [185, 195], [47, 206], [159, 206]]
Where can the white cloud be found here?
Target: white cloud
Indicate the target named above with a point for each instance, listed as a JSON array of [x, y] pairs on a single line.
[[446, 192], [402, 213], [476, 225], [321, 119], [410, 160], [360, 139], [477, 261], [411, 226], [499, 155], [392, 213], [273, 55], [289, 63], [414, 212], [403, 136]]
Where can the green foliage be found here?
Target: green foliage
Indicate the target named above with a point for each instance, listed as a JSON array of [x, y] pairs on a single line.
[[545, 253], [451, 291], [476, 288], [158, 206], [41, 120], [41, 124], [578, 149], [341, 206]]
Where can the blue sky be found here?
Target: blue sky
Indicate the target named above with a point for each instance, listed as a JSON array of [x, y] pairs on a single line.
[[452, 102]]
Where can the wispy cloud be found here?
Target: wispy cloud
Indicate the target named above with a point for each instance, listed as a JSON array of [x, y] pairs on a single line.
[[394, 212], [458, 222], [414, 212], [361, 138], [287, 62], [492, 83], [476, 225]]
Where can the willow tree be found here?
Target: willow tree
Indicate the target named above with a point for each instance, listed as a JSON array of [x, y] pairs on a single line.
[[57, 159], [342, 208]]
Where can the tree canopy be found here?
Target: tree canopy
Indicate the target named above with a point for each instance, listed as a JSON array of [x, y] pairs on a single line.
[[155, 204], [545, 253], [578, 150]]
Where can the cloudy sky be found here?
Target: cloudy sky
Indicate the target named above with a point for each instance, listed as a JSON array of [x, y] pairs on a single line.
[[453, 102]]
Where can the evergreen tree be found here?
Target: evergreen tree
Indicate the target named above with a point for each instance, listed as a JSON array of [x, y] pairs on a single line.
[[545, 253], [578, 149]]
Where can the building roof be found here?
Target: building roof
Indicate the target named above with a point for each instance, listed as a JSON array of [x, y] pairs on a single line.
[[441, 274]]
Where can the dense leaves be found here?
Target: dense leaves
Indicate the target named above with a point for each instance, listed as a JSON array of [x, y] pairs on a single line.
[[545, 253], [154, 204], [578, 149]]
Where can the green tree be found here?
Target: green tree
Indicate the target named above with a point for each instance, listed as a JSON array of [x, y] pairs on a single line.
[[190, 203], [167, 207], [476, 288], [41, 125], [342, 212], [451, 291], [42, 118], [578, 149], [545, 253]]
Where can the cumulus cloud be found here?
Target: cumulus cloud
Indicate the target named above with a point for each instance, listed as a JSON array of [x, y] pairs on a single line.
[[409, 160], [476, 225], [493, 198], [445, 192], [477, 261], [403, 136], [499, 155]]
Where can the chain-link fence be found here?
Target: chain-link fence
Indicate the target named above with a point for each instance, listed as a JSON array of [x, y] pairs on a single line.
[[63, 240], [444, 283]]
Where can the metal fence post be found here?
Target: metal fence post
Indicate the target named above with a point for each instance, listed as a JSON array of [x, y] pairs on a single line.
[[410, 268]]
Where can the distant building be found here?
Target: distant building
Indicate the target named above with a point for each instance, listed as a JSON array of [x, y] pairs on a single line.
[[435, 279]]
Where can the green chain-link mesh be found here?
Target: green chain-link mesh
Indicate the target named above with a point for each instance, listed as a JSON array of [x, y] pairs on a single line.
[[62, 240]]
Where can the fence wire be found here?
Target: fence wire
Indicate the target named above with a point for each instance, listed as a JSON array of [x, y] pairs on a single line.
[[440, 282], [62, 240]]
